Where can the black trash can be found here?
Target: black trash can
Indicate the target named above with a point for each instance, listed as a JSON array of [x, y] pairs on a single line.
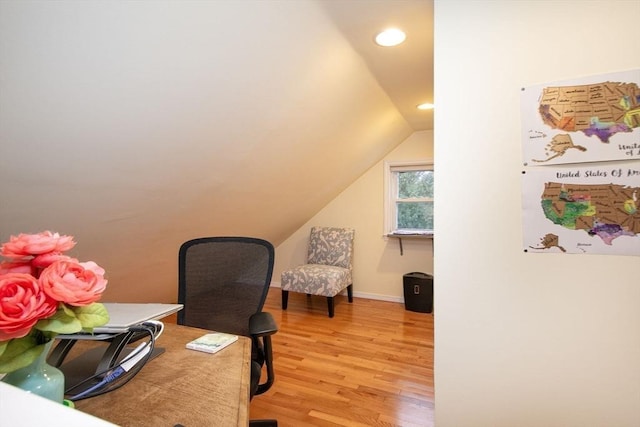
[[418, 292]]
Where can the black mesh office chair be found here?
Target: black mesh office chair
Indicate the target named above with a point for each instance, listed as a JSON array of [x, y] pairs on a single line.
[[223, 283]]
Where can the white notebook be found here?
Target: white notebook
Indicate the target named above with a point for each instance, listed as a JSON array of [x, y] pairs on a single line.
[[212, 342]]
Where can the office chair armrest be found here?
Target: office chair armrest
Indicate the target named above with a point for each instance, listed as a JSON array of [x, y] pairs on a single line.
[[262, 324]]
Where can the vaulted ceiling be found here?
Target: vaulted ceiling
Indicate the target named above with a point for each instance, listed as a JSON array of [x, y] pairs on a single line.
[[405, 72], [138, 125]]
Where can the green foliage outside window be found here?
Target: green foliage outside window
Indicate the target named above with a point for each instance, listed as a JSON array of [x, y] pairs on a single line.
[[415, 184], [415, 200]]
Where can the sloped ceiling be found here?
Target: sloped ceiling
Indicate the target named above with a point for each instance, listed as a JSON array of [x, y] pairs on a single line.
[[135, 126], [405, 72]]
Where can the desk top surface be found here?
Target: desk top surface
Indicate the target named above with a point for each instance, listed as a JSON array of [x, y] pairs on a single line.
[[181, 386]]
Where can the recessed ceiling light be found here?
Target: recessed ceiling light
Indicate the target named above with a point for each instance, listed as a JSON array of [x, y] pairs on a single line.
[[425, 106], [390, 37]]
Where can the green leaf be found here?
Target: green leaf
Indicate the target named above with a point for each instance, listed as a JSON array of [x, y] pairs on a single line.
[[92, 315], [64, 321], [3, 346], [20, 352]]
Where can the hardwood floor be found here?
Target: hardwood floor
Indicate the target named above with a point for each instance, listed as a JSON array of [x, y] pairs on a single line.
[[370, 365]]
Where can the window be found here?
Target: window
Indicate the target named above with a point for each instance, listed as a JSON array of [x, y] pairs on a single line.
[[409, 198]]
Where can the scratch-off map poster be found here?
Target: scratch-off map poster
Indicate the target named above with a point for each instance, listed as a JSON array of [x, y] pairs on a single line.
[[591, 119], [593, 209]]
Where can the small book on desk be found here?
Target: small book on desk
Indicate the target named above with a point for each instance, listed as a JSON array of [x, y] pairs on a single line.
[[212, 342]]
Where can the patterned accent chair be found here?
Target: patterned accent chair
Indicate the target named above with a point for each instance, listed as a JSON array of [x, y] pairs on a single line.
[[328, 268]]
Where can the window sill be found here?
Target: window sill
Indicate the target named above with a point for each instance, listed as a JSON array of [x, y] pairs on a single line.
[[419, 236]]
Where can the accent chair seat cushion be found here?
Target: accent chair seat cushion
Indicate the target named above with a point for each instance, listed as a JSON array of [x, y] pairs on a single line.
[[316, 279]]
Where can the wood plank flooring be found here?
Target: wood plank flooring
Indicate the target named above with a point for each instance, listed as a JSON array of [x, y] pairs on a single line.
[[371, 365]]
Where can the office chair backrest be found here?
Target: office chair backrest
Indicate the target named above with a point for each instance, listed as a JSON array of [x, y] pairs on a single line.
[[222, 281]]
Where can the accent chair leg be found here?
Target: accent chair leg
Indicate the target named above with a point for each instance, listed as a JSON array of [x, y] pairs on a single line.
[[263, 423], [350, 292], [330, 306], [285, 299]]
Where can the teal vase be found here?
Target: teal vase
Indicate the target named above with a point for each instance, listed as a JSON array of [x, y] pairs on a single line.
[[39, 377]]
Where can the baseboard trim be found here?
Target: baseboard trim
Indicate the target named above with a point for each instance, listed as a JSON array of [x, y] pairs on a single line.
[[389, 298], [365, 295]]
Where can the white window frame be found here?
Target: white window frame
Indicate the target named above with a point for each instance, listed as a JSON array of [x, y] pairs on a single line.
[[391, 190]]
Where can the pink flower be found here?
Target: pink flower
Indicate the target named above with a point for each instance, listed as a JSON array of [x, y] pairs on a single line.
[[45, 260], [22, 304], [25, 245], [73, 283], [15, 267]]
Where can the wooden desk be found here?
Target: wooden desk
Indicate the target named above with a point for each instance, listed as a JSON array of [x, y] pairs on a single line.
[[181, 386]]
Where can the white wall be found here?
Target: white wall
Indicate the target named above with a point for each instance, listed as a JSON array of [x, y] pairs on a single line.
[[523, 339], [378, 266], [137, 125]]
